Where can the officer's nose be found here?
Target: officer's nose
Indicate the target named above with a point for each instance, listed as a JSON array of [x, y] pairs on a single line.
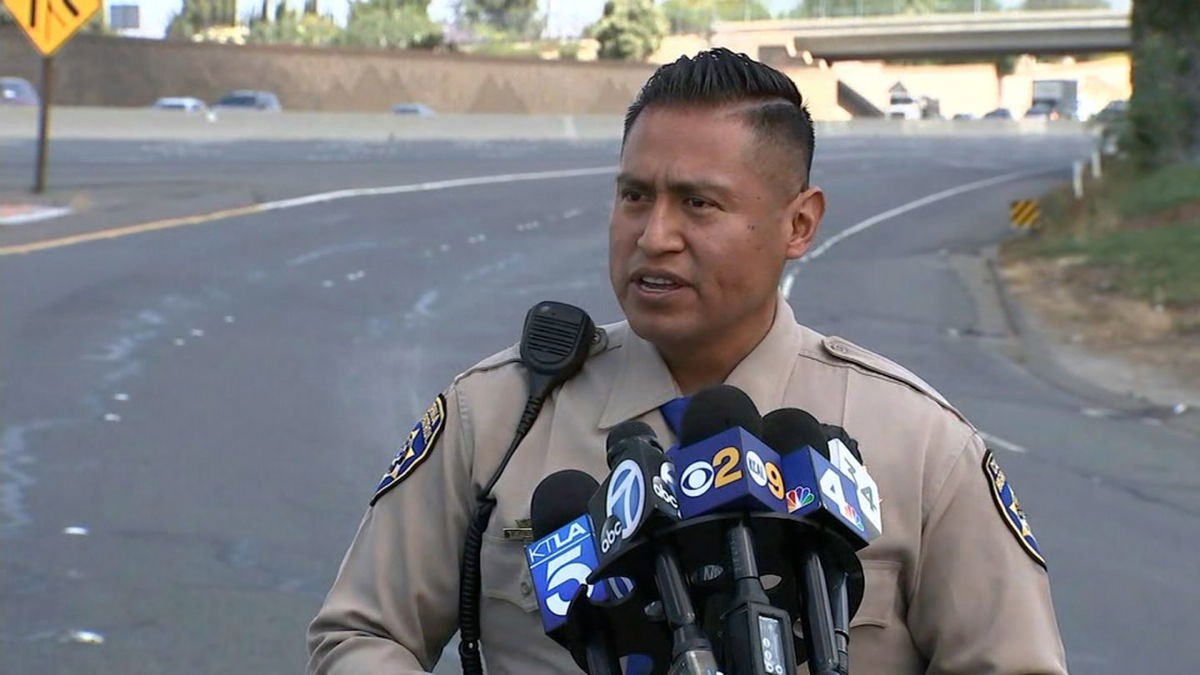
[[663, 232]]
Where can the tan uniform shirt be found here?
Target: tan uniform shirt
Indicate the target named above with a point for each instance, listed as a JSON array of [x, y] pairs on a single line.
[[949, 589]]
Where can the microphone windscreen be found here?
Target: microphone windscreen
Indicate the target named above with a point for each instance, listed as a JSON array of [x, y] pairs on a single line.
[[630, 429], [560, 498], [789, 429], [718, 409], [833, 432]]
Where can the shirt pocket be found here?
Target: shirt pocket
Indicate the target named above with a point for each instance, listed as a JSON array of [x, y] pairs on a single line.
[[879, 606], [504, 574]]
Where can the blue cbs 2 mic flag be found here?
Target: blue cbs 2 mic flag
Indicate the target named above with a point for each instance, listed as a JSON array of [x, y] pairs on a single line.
[[560, 563], [731, 471]]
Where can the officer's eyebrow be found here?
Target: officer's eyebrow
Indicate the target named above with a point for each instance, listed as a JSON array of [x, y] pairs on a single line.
[[679, 187]]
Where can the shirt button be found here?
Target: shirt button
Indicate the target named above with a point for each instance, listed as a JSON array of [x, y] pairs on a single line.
[[525, 589]]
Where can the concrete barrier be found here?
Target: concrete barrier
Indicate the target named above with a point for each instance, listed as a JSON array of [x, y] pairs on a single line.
[[135, 124], [68, 122]]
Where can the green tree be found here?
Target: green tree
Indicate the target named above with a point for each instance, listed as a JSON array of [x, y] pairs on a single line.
[[630, 30], [741, 10], [1066, 4], [191, 19], [396, 24], [1164, 113], [294, 28], [197, 15], [689, 16], [821, 8], [512, 18], [696, 16]]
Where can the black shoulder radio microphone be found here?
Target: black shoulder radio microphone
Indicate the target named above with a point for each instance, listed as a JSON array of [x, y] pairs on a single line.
[[555, 342]]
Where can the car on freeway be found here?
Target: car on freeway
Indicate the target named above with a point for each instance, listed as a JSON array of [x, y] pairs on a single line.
[[184, 103], [249, 99], [1042, 110], [417, 109], [999, 114], [1114, 110], [963, 116], [17, 91]]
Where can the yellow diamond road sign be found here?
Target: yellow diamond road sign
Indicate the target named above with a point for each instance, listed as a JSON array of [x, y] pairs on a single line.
[[50, 23]]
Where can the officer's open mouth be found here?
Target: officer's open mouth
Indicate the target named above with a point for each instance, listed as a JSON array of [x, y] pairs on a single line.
[[657, 282]]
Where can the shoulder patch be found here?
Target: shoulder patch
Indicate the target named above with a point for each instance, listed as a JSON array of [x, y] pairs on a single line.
[[416, 449], [1010, 507]]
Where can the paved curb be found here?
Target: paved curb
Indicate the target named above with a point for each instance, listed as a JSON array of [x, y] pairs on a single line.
[[1036, 354]]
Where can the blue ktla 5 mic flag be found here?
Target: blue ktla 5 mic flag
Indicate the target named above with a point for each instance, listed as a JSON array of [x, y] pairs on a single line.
[[817, 488], [731, 471], [560, 563]]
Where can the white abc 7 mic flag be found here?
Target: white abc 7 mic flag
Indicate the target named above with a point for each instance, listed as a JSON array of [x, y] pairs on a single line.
[[625, 502]]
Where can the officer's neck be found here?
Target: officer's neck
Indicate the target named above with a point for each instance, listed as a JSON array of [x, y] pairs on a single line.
[[697, 365]]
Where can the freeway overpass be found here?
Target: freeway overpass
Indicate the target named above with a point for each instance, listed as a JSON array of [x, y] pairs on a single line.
[[927, 36]]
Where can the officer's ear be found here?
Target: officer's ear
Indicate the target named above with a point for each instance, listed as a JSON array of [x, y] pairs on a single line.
[[804, 217]]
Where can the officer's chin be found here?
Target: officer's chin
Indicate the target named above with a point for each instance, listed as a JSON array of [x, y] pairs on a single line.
[[658, 328]]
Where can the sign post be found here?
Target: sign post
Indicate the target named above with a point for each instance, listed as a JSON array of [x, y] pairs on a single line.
[[49, 24], [39, 174]]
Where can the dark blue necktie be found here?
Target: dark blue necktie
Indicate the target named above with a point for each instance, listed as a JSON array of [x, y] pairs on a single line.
[[672, 412]]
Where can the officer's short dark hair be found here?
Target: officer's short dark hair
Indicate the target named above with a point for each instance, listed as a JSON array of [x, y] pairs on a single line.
[[718, 77]]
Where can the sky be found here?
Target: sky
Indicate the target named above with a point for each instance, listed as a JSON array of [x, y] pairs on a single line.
[[567, 18]]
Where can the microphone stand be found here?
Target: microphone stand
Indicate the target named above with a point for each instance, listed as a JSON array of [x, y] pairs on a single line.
[[758, 636], [691, 652], [818, 618], [839, 598]]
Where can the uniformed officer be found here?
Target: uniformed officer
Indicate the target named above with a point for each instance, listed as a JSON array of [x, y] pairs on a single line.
[[711, 200]]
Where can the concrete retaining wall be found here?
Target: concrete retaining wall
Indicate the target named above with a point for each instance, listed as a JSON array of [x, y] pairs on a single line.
[[105, 71]]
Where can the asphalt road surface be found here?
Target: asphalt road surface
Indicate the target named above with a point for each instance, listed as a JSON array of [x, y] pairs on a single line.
[[195, 417]]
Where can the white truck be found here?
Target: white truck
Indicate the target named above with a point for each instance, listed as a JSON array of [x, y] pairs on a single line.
[[903, 106], [1055, 99]]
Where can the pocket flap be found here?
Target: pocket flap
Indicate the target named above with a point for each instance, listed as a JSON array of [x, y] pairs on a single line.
[[879, 598], [504, 574]]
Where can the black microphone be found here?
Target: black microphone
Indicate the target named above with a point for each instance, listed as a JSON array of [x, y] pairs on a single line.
[[638, 495], [560, 558], [826, 616], [559, 499], [757, 637], [636, 499]]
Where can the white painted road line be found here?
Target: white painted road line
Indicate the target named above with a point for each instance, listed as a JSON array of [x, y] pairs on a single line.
[[335, 195], [23, 214], [789, 278], [1001, 443], [307, 200]]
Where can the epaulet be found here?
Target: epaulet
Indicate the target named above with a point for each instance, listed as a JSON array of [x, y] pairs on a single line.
[[844, 350], [512, 355], [500, 359]]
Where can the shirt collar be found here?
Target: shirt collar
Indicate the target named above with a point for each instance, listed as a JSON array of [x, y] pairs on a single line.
[[644, 383]]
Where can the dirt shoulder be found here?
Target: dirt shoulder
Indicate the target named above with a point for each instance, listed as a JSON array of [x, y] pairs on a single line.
[[1111, 283], [1118, 343]]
